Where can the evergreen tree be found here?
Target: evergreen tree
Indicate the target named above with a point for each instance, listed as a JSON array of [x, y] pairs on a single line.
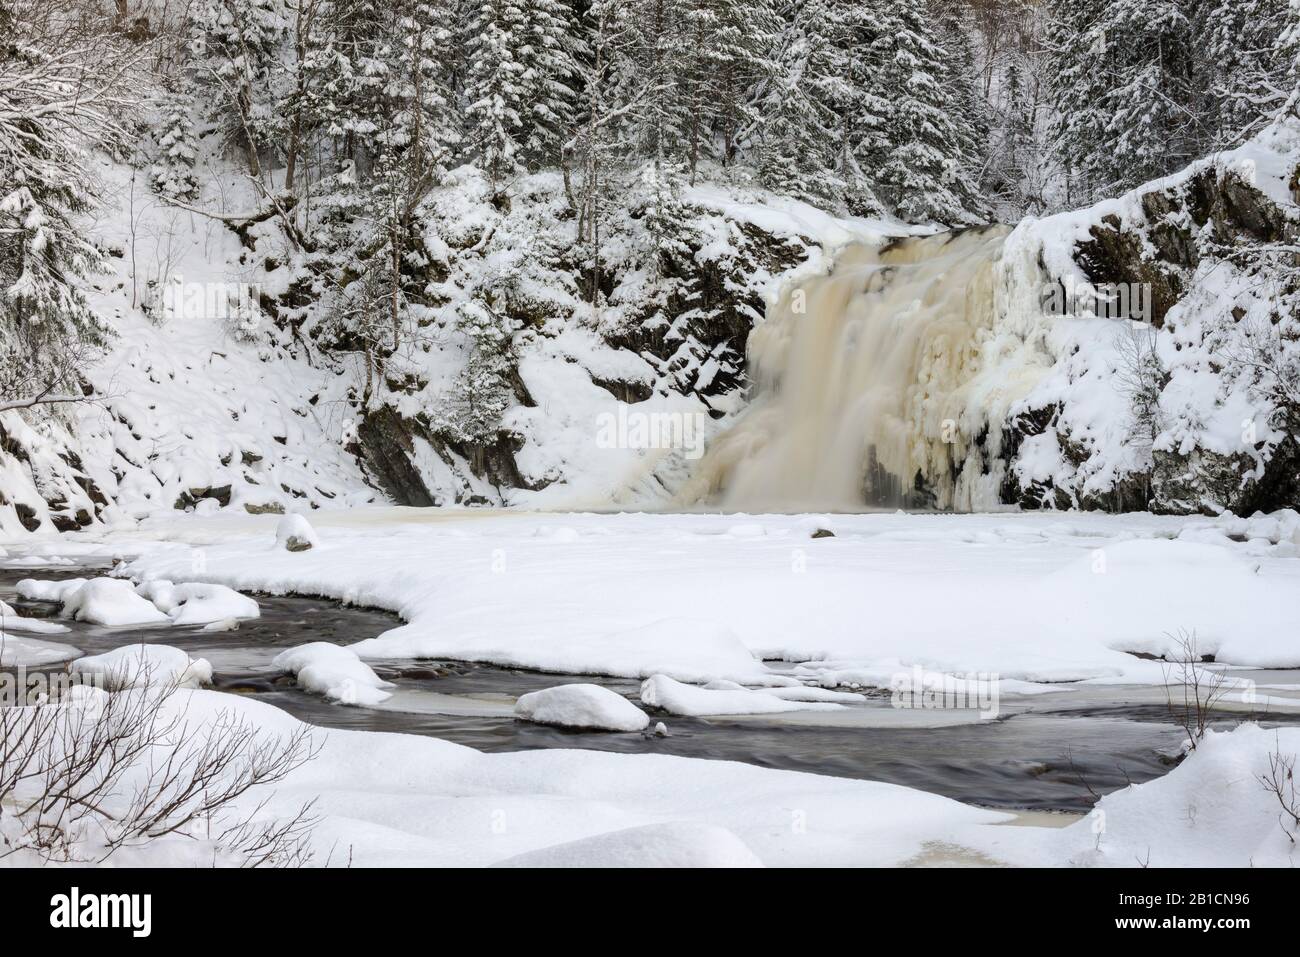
[[1243, 69], [924, 161], [798, 129], [53, 109], [519, 90]]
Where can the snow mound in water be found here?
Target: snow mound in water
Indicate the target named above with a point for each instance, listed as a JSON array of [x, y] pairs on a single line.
[[295, 534], [10, 620], [144, 666], [32, 652], [38, 589], [721, 697], [197, 604], [581, 706], [674, 844], [110, 601], [334, 672]]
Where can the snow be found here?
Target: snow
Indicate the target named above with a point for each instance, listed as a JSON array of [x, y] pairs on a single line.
[[294, 533], [116, 603], [21, 651], [693, 649], [1021, 597], [581, 706], [410, 800], [196, 603], [334, 672], [40, 590], [1213, 810], [141, 666], [112, 602], [427, 802], [11, 621], [664, 693], [673, 844]]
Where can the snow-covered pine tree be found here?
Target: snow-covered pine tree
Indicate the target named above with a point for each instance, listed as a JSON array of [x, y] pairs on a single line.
[[954, 34], [399, 136], [725, 49], [1242, 67], [171, 171], [848, 89], [923, 173], [797, 132], [1152, 127], [644, 72], [519, 89], [1075, 49], [551, 47], [56, 103], [600, 137], [238, 58]]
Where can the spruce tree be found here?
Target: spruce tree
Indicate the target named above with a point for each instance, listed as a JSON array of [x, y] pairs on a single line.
[[924, 165]]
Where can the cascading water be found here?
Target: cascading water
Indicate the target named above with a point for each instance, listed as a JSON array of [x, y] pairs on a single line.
[[876, 384]]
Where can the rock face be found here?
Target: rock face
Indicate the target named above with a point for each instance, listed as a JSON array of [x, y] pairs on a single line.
[[1224, 354], [688, 340]]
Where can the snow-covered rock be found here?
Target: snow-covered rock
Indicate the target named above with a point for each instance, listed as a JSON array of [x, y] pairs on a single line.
[[196, 603], [141, 666], [39, 589], [334, 672], [295, 534], [11, 621], [110, 601], [661, 691], [581, 706]]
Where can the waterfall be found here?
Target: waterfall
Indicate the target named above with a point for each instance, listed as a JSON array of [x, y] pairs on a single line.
[[880, 383]]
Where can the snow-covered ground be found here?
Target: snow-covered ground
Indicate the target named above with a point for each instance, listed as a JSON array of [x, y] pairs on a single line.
[[1028, 597], [699, 604]]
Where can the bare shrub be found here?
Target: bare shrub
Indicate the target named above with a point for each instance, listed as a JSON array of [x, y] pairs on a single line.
[[1280, 782], [82, 779], [1191, 692]]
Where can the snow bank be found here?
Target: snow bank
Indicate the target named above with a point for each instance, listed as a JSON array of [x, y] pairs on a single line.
[[1212, 810], [198, 604], [144, 666], [409, 800], [1031, 598], [334, 672], [581, 706], [114, 602], [675, 844], [660, 691], [692, 649]]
